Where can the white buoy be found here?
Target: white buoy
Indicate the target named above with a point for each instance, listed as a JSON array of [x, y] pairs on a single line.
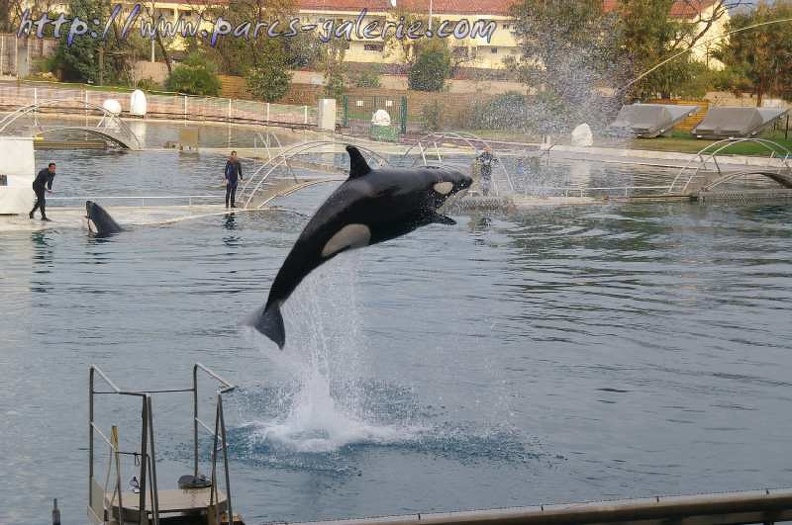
[[582, 136], [112, 106]]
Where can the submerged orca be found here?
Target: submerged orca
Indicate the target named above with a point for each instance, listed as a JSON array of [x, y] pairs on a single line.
[[100, 223], [371, 206]]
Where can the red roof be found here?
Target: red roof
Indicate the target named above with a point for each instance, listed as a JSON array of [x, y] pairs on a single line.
[[680, 8], [483, 8]]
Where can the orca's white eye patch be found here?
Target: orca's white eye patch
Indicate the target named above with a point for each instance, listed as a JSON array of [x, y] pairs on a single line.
[[444, 188], [350, 236]]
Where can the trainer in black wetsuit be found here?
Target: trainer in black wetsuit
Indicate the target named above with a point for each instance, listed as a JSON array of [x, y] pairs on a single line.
[[233, 174], [486, 160], [42, 184]]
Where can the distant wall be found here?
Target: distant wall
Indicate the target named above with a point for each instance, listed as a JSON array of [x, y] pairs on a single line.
[[143, 69], [456, 105], [725, 98]]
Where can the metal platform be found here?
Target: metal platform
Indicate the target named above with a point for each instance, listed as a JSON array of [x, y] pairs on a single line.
[[649, 120], [198, 501]]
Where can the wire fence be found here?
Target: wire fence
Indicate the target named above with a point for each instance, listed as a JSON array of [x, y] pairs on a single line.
[[175, 106]]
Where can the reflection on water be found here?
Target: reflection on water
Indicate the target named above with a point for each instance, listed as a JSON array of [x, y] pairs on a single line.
[[560, 354], [230, 221]]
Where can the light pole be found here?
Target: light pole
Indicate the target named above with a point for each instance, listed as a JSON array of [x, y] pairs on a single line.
[[430, 15], [153, 26]]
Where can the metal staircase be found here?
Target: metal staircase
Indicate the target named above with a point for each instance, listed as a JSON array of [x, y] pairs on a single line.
[[198, 500]]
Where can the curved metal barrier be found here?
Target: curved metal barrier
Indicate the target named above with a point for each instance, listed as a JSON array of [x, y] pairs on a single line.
[[704, 172], [265, 185], [110, 126]]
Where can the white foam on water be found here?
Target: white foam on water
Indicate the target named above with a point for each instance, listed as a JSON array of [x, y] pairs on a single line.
[[317, 423], [326, 350]]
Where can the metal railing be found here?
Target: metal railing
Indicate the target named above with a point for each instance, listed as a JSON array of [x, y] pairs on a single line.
[[761, 507], [173, 106], [145, 453], [705, 166], [257, 182]]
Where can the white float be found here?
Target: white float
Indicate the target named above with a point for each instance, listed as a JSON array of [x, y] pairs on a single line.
[[381, 118], [113, 106], [582, 136], [137, 103]]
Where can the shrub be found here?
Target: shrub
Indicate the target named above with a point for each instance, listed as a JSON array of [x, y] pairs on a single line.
[[432, 67], [432, 114], [368, 77], [148, 84], [268, 83], [196, 76], [504, 112]]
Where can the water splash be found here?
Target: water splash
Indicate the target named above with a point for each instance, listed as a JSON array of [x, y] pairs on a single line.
[[324, 412], [324, 405], [319, 423]]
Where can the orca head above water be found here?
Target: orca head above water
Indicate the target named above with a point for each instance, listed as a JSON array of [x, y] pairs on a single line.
[[100, 223]]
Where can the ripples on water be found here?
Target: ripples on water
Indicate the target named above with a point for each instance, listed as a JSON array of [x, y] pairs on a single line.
[[561, 354]]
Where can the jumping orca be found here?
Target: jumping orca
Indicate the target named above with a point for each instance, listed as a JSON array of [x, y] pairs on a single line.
[[371, 206], [100, 223]]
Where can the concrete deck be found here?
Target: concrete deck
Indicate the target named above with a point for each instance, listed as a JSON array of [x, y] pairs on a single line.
[[74, 217]]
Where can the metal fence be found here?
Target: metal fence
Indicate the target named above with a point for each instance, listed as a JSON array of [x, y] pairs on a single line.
[[361, 108], [20, 57], [169, 106]]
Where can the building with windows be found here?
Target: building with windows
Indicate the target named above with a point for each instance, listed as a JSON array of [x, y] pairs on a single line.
[[479, 33]]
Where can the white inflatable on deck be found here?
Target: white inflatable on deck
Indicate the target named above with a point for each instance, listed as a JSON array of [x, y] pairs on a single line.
[[137, 103], [381, 118], [582, 136]]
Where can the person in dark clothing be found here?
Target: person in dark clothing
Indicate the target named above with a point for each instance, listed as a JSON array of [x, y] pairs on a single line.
[[486, 160], [233, 174], [41, 185]]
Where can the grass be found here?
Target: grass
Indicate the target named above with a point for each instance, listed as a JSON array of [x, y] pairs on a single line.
[[678, 141], [685, 143]]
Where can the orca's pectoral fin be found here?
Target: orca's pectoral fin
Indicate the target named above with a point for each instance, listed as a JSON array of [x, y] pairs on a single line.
[[442, 219], [269, 322]]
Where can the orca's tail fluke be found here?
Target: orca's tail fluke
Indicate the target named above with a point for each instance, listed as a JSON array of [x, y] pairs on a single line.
[[269, 322]]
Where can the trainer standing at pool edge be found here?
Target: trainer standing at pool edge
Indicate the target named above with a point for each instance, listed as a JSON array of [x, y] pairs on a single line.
[[41, 185], [233, 174]]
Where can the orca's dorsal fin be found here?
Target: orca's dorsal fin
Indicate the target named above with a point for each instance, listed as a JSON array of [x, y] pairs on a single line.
[[357, 164]]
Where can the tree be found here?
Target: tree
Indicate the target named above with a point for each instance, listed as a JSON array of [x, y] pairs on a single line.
[[657, 45], [236, 54], [89, 59], [6, 14], [368, 77], [404, 49], [195, 76], [432, 66], [271, 81], [568, 51], [334, 68], [760, 58]]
